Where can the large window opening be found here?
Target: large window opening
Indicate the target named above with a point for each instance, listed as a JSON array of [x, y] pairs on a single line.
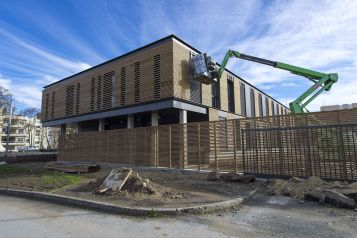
[[252, 103], [230, 87], [243, 104], [215, 95], [260, 105]]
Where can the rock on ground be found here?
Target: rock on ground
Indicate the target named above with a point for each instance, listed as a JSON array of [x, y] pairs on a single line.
[[337, 193], [213, 176], [338, 199]]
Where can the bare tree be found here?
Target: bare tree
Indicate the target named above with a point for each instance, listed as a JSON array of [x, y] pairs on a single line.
[[50, 140], [5, 99], [30, 112], [30, 124]]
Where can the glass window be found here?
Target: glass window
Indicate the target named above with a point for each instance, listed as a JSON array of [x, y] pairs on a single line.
[[267, 106], [260, 105], [230, 87], [243, 104], [252, 102], [215, 95]]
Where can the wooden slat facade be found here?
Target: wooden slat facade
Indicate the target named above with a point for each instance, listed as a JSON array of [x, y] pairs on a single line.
[[156, 72], [320, 144]]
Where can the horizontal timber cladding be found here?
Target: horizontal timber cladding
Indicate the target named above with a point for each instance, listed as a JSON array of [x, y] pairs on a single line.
[[143, 76], [47, 105], [185, 89], [320, 144], [137, 82], [157, 78], [69, 100]]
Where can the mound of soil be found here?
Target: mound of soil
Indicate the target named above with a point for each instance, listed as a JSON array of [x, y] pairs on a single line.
[[135, 186], [340, 194], [297, 187]]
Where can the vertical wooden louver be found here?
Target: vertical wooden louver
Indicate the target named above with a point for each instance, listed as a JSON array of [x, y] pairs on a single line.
[[157, 76], [78, 95], [92, 93], [122, 85], [46, 106], [108, 90], [99, 92], [53, 105], [137, 82], [69, 100]]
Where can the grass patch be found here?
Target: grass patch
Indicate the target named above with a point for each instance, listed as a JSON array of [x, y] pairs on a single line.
[[19, 177], [8, 169], [153, 214], [59, 180]]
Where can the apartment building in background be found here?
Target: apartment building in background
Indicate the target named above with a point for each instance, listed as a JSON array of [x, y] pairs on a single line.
[[150, 86], [338, 107], [26, 133]]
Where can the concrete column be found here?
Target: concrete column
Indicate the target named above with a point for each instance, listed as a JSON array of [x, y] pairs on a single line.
[[74, 126], [63, 129], [130, 121], [183, 120], [154, 118], [183, 117], [154, 138], [101, 125]]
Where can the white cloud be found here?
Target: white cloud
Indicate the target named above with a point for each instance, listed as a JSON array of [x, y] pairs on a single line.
[[35, 67], [26, 95], [5, 82], [317, 35], [35, 51]]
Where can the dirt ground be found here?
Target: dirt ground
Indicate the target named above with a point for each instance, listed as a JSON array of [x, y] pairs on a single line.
[[33, 177], [176, 188]]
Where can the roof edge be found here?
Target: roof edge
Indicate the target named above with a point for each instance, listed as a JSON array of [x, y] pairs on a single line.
[[172, 36]]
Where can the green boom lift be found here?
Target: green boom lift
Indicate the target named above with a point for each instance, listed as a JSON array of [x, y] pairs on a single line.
[[207, 71]]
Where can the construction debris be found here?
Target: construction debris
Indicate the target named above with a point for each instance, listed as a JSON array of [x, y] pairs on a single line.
[[73, 167], [231, 177], [127, 180], [115, 180], [214, 176], [339, 194]]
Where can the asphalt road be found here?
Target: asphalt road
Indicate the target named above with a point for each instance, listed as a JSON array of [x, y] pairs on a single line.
[[260, 217]]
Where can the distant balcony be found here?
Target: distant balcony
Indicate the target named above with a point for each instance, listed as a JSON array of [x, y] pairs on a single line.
[[14, 135], [15, 143]]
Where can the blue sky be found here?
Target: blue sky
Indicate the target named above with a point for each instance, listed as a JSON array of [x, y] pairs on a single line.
[[44, 41]]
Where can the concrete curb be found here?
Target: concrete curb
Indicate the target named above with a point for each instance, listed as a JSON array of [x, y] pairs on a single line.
[[115, 209]]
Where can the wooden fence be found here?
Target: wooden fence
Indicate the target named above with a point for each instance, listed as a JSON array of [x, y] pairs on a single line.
[[322, 144]]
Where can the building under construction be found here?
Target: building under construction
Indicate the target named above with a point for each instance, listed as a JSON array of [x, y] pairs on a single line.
[[150, 86]]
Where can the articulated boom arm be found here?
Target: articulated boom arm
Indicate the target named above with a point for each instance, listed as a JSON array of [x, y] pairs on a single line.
[[322, 82]]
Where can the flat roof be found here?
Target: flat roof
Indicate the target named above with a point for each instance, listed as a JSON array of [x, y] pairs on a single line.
[[172, 36]]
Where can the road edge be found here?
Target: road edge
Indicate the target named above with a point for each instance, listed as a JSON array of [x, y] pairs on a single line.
[[122, 210]]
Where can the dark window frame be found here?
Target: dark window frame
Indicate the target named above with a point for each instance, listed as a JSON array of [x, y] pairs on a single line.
[[260, 101], [230, 93], [252, 103], [215, 92], [243, 100]]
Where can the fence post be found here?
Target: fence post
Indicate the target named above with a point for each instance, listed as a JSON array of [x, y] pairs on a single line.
[[106, 148], [281, 159], [92, 149], [199, 146], [235, 147], [309, 155], [170, 155], [242, 146], [215, 145], [157, 146], [341, 148]]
